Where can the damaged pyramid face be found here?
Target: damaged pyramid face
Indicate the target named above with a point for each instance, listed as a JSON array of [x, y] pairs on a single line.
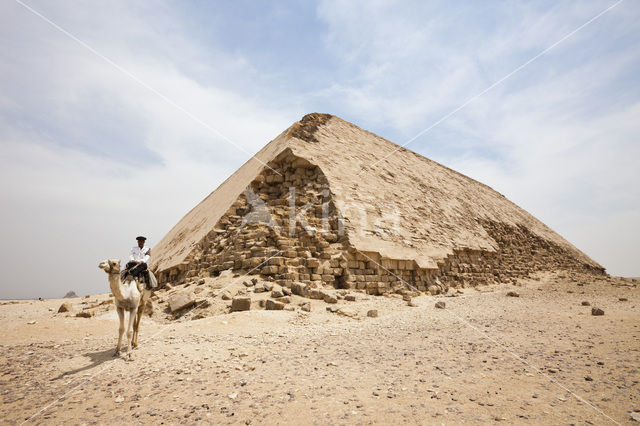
[[311, 209]]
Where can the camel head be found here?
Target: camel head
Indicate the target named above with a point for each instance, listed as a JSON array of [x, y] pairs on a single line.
[[110, 266]]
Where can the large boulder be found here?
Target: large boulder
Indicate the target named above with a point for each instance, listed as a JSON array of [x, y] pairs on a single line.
[[273, 305], [328, 297], [300, 289], [181, 300], [240, 303]]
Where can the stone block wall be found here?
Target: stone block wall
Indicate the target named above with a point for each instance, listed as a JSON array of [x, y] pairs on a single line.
[[285, 226], [276, 229]]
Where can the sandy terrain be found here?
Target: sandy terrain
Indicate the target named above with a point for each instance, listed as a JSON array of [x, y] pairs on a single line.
[[540, 358]]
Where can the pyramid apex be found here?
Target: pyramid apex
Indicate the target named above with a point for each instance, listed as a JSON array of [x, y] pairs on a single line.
[[307, 126]]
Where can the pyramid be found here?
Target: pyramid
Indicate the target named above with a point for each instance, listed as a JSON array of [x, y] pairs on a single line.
[[328, 204]]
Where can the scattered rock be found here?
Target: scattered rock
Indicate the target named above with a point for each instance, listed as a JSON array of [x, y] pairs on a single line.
[[277, 294], [347, 313], [585, 303], [372, 313], [314, 294], [181, 300], [440, 305], [273, 305], [254, 281], [433, 289], [65, 307], [350, 297], [31, 322], [623, 299], [119, 399], [596, 311], [635, 416], [259, 288], [84, 314], [306, 307], [332, 309], [300, 289], [268, 286], [412, 304], [289, 308], [248, 283], [512, 294], [240, 303], [233, 395], [286, 291], [588, 378], [329, 298], [225, 295]]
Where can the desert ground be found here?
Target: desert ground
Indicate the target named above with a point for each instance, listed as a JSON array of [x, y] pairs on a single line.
[[539, 358]]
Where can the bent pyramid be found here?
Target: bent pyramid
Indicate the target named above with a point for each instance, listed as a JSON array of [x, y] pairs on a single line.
[[313, 210]]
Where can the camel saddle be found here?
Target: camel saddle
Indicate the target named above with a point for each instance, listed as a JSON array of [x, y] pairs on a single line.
[[147, 277]]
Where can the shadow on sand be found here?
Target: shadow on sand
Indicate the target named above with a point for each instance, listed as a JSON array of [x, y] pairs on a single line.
[[97, 358]]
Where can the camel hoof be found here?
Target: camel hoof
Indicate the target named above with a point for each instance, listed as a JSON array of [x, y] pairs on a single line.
[[116, 354]]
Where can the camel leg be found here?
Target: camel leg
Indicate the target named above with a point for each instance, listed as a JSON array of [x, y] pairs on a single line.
[[136, 326], [132, 317], [120, 330]]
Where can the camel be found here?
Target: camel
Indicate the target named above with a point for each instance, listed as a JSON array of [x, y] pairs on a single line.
[[130, 297]]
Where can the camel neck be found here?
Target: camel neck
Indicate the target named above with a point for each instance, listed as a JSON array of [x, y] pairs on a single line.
[[114, 283]]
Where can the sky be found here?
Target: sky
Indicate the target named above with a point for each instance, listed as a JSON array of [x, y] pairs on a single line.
[[117, 118]]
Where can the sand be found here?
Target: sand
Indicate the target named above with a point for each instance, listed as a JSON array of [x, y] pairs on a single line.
[[539, 358]]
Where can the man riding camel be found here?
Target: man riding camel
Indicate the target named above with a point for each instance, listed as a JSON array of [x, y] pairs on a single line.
[[138, 260]]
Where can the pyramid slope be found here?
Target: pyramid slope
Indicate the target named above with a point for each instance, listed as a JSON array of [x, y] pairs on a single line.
[[177, 244], [406, 207], [440, 209]]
